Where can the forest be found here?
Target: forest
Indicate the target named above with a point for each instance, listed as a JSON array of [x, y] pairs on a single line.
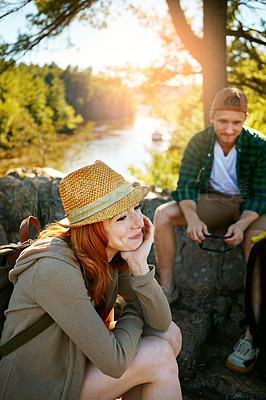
[[39, 106]]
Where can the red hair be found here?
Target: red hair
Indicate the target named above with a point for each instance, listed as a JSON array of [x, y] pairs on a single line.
[[89, 244]]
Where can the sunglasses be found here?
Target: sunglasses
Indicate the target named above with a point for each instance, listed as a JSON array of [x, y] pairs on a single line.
[[227, 247]]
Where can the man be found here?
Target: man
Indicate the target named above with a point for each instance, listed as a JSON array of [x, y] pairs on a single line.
[[222, 181]]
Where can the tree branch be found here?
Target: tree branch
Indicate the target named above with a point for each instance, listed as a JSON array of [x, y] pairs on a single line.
[[15, 9], [248, 83], [245, 35], [192, 42], [47, 27]]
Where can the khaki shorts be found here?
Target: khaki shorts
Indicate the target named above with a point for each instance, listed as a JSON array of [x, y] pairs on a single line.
[[219, 209]]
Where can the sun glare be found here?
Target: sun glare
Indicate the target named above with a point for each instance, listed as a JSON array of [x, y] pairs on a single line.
[[123, 41]]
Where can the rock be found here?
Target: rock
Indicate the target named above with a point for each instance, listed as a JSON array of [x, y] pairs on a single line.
[[18, 200], [35, 171], [25, 192], [49, 203]]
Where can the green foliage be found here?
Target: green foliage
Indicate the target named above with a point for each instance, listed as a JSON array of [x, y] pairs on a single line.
[[183, 113], [163, 170], [110, 98], [78, 86], [38, 105], [249, 75], [257, 117], [32, 107], [97, 97]]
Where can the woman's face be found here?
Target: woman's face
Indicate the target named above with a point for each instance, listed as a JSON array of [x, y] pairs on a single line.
[[124, 231]]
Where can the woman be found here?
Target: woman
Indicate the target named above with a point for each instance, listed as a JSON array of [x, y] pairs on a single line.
[[74, 271]]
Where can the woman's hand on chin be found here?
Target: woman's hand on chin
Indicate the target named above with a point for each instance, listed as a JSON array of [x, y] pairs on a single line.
[[137, 259]]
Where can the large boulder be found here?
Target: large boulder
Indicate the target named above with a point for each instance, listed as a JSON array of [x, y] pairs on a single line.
[[31, 191], [18, 199]]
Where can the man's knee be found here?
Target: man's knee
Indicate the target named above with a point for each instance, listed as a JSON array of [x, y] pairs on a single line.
[[249, 233], [247, 242], [167, 214], [160, 217]]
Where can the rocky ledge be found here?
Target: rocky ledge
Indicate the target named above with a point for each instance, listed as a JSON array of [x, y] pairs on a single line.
[[210, 285]]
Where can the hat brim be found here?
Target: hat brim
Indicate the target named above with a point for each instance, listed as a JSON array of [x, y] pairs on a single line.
[[128, 201]]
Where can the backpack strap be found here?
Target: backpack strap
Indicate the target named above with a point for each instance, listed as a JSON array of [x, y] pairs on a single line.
[[25, 336], [12, 251], [24, 228]]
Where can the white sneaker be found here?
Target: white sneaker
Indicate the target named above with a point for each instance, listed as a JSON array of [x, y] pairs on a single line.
[[243, 358]]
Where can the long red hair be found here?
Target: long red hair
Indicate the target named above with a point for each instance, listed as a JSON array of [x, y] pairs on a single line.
[[89, 244]]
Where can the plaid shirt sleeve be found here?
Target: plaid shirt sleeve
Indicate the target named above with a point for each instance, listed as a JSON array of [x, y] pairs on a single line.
[[251, 170], [192, 167]]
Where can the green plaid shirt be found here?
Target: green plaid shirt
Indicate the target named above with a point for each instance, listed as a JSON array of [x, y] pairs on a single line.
[[196, 166]]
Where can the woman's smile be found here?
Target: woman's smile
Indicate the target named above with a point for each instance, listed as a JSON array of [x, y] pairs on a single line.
[[137, 236], [124, 231]]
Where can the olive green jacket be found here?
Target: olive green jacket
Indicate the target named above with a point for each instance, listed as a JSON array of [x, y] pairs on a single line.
[[52, 365]]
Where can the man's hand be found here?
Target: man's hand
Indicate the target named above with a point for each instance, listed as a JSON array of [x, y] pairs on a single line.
[[237, 229], [238, 235], [195, 227], [196, 230]]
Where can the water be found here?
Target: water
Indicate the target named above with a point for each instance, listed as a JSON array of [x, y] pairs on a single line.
[[120, 144]]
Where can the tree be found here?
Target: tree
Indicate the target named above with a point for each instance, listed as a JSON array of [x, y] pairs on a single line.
[[210, 51], [220, 21]]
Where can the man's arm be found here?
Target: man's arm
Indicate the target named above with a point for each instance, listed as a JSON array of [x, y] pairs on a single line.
[[237, 229], [195, 227], [195, 169]]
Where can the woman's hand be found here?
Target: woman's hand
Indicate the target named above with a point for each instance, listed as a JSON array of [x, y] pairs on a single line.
[[137, 259]]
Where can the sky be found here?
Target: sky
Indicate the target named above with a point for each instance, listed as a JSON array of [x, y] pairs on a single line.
[[124, 41]]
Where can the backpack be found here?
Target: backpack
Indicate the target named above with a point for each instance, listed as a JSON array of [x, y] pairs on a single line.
[[258, 330], [8, 256]]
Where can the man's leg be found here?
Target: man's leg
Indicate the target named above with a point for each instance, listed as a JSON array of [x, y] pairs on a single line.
[[214, 209], [166, 217]]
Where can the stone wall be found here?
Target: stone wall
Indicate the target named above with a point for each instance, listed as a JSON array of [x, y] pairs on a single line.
[[25, 192], [210, 285]]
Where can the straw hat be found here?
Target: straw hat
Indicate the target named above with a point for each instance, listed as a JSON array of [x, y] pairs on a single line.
[[95, 193]]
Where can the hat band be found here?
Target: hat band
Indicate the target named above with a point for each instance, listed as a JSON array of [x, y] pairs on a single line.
[[230, 108], [98, 205]]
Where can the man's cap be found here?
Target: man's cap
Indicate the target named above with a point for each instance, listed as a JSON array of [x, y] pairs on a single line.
[[231, 99]]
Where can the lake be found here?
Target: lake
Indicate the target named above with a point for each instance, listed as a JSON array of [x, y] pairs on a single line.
[[119, 143]]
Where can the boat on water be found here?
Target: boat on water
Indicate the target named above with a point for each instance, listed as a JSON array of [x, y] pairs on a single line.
[[160, 136]]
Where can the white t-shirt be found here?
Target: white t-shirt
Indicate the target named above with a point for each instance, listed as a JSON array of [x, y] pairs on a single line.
[[223, 175]]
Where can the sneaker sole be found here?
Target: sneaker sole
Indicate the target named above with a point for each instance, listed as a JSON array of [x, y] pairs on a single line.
[[238, 369]]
